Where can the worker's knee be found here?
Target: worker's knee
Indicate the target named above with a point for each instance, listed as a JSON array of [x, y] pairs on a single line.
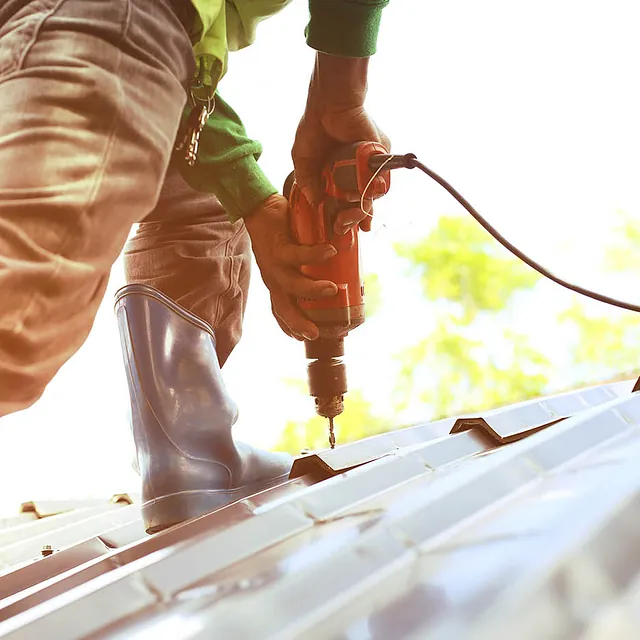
[[41, 327]]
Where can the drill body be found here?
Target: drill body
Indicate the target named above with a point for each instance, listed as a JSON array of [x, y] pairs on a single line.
[[345, 177]]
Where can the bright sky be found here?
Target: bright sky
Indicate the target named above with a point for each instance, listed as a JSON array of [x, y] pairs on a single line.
[[531, 110]]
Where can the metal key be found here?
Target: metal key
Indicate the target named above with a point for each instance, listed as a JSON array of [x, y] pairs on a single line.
[[191, 140]]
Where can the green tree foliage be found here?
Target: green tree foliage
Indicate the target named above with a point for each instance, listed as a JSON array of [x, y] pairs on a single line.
[[622, 256], [603, 344], [604, 340], [459, 262], [373, 293], [460, 265], [464, 373]]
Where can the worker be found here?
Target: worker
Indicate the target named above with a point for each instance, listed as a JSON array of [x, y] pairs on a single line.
[[95, 136]]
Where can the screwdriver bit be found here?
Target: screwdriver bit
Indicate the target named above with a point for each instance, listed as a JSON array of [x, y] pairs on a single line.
[[332, 436]]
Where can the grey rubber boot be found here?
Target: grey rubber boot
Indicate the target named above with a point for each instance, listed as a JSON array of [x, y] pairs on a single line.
[[182, 414]]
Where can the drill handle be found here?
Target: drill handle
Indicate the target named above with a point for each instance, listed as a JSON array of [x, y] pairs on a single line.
[[346, 174], [349, 170]]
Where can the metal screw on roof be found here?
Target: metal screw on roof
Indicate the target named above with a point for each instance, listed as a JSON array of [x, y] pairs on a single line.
[[47, 550]]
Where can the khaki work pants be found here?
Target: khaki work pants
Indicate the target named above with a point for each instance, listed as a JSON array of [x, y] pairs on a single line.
[[91, 94]]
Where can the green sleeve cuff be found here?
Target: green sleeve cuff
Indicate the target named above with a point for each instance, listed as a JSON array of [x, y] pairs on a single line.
[[345, 28], [227, 164], [241, 186]]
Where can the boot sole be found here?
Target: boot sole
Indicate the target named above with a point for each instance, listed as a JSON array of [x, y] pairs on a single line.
[[175, 508]]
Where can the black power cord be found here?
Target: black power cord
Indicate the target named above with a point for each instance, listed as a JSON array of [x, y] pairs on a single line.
[[410, 161]]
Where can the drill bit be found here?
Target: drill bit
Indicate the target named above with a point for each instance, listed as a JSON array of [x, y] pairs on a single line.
[[332, 435]]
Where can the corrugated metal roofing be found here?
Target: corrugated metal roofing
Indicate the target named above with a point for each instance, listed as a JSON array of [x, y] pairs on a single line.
[[522, 521]]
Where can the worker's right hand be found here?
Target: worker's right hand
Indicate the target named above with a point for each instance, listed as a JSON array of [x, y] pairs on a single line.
[[279, 259]]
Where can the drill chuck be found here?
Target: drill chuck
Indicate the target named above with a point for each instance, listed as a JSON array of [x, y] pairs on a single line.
[[330, 407], [327, 376]]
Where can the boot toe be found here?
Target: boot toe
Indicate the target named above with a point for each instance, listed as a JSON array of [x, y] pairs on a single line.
[[282, 463], [264, 466], [262, 470]]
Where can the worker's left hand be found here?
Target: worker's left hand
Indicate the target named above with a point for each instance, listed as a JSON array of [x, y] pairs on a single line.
[[279, 259], [316, 138], [334, 116]]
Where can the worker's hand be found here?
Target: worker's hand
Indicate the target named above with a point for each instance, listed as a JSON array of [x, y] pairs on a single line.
[[334, 115], [279, 259]]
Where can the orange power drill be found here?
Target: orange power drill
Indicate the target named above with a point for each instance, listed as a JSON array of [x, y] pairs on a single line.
[[345, 177]]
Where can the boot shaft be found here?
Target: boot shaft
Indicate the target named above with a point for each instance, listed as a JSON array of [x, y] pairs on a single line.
[[181, 411]]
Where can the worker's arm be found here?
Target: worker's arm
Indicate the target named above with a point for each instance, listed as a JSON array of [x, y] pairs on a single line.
[[344, 32], [334, 116], [227, 164]]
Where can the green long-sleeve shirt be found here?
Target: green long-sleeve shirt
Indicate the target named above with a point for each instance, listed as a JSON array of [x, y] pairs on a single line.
[[227, 164]]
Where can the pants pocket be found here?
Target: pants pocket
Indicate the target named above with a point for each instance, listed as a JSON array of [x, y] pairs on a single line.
[[19, 28]]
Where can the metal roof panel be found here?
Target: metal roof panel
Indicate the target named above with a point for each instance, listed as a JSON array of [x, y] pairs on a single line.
[[67, 535], [418, 534]]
